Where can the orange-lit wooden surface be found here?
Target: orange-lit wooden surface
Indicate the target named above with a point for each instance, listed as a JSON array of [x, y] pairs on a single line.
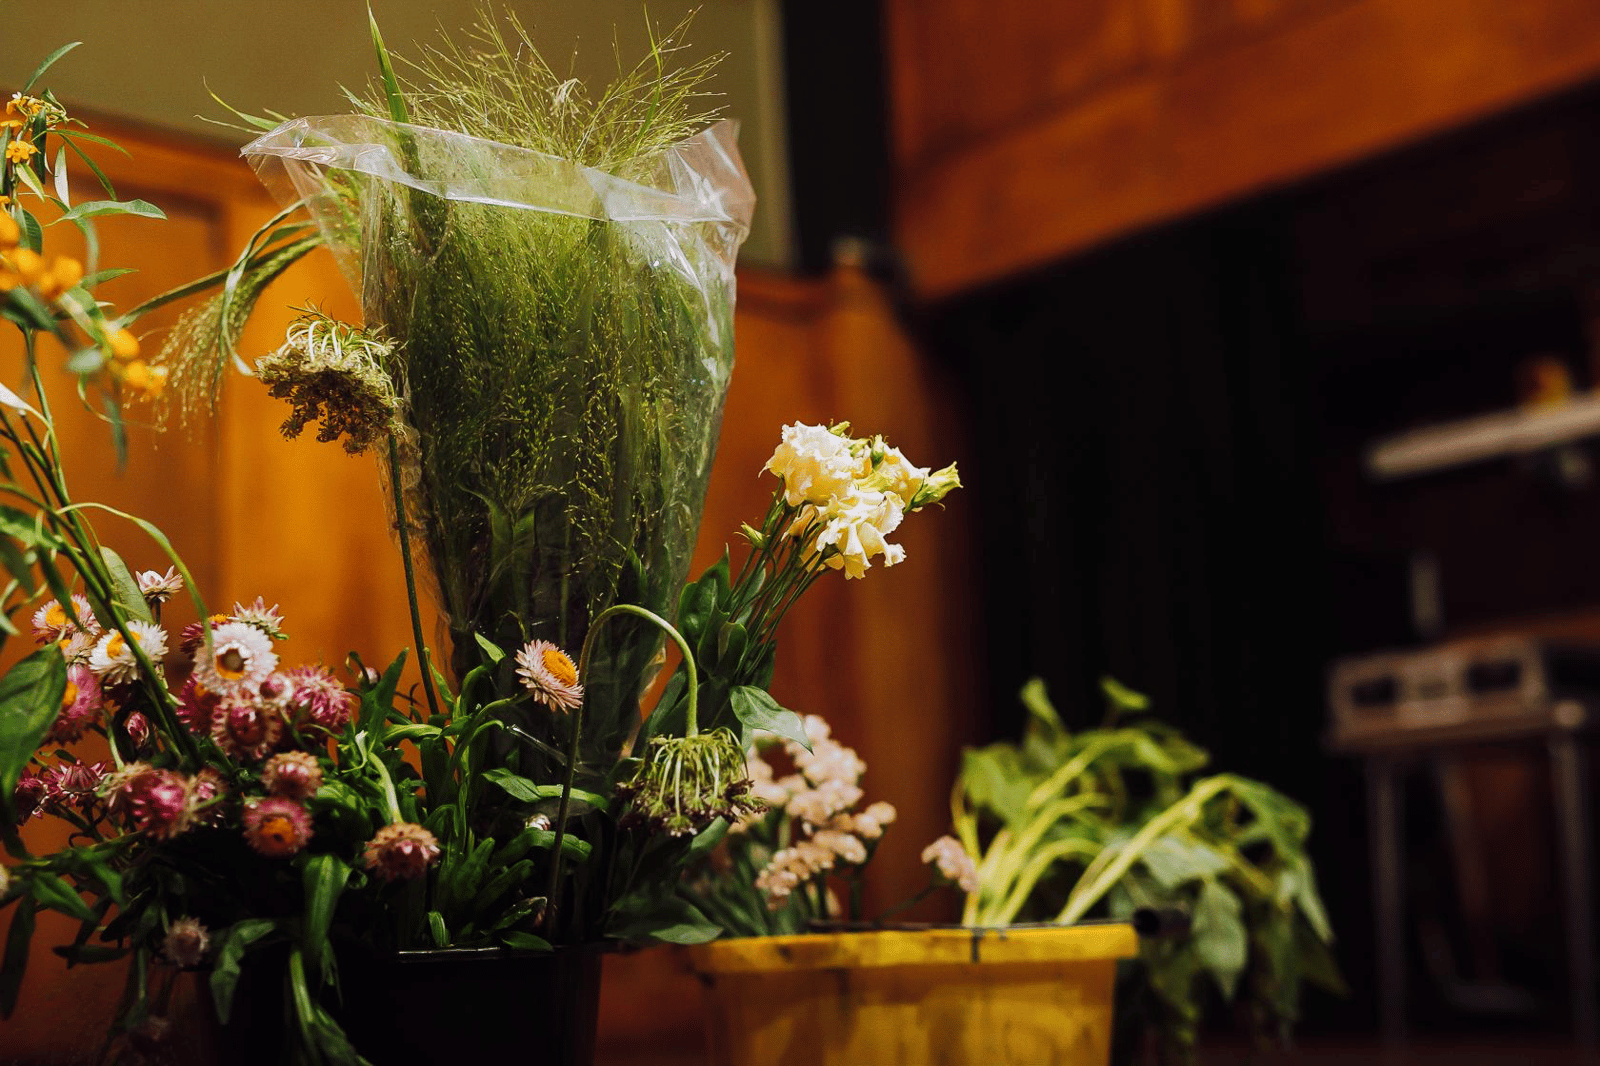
[[303, 525], [1025, 133], [913, 999]]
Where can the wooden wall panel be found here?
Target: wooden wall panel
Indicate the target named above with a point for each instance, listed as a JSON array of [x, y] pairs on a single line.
[[1231, 98]]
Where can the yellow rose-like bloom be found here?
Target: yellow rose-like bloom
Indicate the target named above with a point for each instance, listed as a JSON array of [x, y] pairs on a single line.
[[124, 345], [20, 151], [10, 232]]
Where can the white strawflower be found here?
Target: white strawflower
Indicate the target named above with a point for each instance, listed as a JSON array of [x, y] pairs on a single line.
[[159, 588], [952, 863], [241, 659], [186, 942], [113, 662], [856, 527], [551, 675], [51, 624], [815, 464]]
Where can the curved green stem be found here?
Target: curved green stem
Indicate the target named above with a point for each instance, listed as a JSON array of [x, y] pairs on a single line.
[[424, 660], [692, 726]]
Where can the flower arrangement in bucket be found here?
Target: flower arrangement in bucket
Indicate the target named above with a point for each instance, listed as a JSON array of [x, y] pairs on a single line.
[[547, 288]]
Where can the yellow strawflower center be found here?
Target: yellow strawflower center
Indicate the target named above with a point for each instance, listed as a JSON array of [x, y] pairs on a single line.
[[69, 695], [116, 645], [56, 615], [278, 833], [559, 663], [231, 664]]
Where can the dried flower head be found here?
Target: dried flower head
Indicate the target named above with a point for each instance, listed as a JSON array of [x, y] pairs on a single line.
[[80, 705], [158, 588], [158, 802], [138, 731], [294, 774], [318, 701], [277, 827], [332, 372], [551, 675], [245, 729], [186, 942], [241, 658], [51, 624], [114, 662], [686, 782], [196, 706], [69, 784], [28, 797], [258, 614], [402, 851]]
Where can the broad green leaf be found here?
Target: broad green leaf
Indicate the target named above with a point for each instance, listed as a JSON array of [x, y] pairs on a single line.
[[523, 789], [1219, 935], [441, 936], [1173, 861], [671, 920], [493, 650], [756, 708], [239, 938], [125, 589], [30, 699]]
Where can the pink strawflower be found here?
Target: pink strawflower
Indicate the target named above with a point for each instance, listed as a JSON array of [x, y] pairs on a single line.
[[138, 729], [209, 787], [319, 701], [245, 730], [241, 658], [28, 796], [277, 827], [294, 774], [952, 865], [80, 704], [70, 784], [186, 942], [402, 851], [158, 802], [196, 706], [194, 634], [550, 674], [277, 691]]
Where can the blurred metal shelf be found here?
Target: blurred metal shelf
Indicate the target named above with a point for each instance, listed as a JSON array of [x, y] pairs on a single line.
[[1493, 436]]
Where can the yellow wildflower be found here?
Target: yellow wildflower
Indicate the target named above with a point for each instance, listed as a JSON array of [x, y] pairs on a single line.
[[124, 345], [29, 265], [20, 151], [10, 233], [26, 106], [143, 378], [64, 273]]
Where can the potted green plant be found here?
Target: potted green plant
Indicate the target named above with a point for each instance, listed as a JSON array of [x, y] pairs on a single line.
[[1113, 821]]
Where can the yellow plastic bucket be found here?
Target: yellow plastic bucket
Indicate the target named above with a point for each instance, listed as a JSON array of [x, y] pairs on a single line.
[[1019, 997]]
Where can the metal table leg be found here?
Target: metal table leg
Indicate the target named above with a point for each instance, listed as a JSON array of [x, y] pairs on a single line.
[[1383, 815]]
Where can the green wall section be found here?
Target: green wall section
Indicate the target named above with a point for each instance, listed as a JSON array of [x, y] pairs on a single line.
[[152, 61]]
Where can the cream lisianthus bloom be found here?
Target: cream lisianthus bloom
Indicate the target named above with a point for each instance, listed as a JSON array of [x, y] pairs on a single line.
[[856, 526], [893, 472], [816, 464]]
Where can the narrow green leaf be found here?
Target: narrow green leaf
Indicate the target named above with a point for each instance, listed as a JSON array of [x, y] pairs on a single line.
[[523, 789], [96, 208], [63, 190], [15, 960], [441, 936], [52, 892], [49, 61], [391, 84], [490, 647], [323, 880], [239, 938], [525, 941]]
